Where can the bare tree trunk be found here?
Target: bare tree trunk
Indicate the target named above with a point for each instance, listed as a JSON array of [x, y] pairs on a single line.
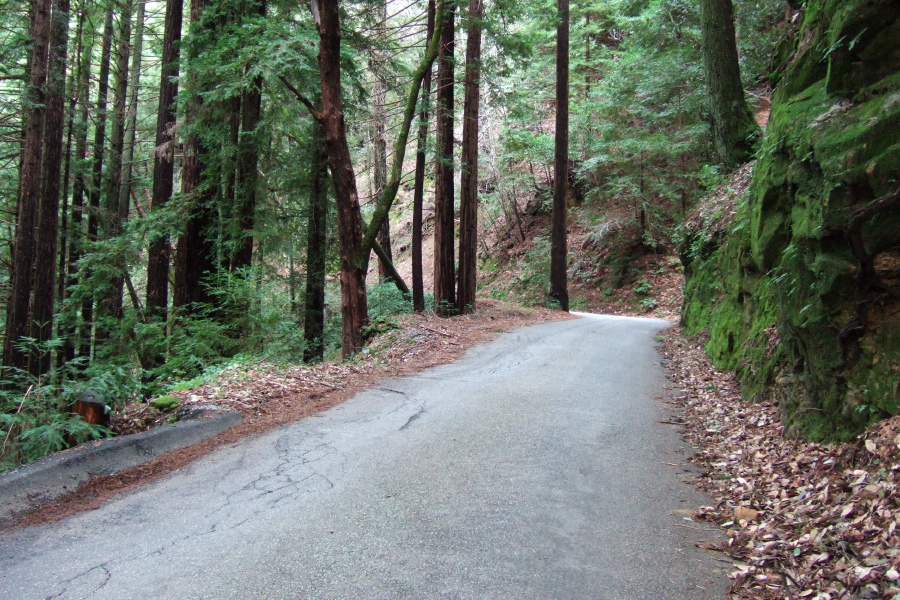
[[354, 312], [733, 127], [111, 306], [376, 63], [17, 315], [316, 231], [48, 210], [131, 113], [444, 268], [418, 286], [558, 242], [468, 200], [164, 159], [99, 149], [71, 339]]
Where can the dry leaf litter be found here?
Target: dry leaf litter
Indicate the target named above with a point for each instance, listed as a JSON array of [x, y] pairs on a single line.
[[803, 520]]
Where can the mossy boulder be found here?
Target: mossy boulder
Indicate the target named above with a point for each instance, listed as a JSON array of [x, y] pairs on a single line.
[[815, 250], [165, 403]]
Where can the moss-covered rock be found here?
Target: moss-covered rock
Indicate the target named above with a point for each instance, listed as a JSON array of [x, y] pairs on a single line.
[[165, 403], [815, 250]]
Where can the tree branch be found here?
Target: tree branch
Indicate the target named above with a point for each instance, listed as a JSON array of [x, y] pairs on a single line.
[[390, 269], [303, 99], [412, 101]]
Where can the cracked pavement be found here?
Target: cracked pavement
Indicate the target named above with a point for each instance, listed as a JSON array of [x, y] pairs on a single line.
[[533, 468]]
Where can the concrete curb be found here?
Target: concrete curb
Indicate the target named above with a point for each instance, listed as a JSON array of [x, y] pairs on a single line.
[[49, 478]]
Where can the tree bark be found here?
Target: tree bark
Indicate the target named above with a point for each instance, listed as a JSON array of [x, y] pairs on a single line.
[[376, 64], [248, 163], [444, 268], [164, 159], [468, 200], [99, 149], [558, 242], [316, 233], [733, 128], [354, 311], [72, 340], [48, 210], [418, 288], [194, 251], [134, 84], [17, 312]]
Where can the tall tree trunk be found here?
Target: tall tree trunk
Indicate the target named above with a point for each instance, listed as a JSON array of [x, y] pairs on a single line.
[[72, 92], [248, 163], [376, 65], [418, 285], [71, 339], [468, 200], [444, 275], [354, 312], [734, 130], [134, 84], [194, 251], [17, 312], [111, 306], [51, 169], [558, 242], [87, 308], [164, 159], [316, 231]]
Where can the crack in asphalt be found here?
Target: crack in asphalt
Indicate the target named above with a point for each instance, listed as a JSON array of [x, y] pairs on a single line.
[[415, 416], [68, 582]]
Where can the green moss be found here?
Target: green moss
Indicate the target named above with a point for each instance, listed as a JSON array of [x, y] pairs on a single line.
[[165, 403], [832, 146]]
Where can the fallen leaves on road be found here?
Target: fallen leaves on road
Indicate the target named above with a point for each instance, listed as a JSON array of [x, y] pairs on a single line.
[[804, 520]]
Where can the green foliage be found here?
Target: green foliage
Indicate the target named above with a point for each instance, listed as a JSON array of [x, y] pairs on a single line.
[[385, 300], [39, 421], [165, 403]]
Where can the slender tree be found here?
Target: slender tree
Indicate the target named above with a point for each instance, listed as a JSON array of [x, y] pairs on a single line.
[[111, 305], [158, 257], [379, 95], [444, 268], [468, 199], [72, 341], [558, 242], [734, 130], [418, 285], [316, 232]]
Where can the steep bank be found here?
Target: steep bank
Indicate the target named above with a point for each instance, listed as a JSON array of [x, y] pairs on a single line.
[[800, 289]]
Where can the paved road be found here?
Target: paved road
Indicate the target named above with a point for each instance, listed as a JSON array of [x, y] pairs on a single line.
[[530, 469]]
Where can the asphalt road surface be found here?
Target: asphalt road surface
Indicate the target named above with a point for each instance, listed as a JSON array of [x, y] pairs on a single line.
[[533, 468]]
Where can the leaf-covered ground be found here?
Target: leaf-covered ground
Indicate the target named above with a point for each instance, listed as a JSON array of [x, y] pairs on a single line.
[[803, 520]]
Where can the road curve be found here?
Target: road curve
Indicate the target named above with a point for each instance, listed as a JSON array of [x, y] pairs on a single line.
[[531, 469]]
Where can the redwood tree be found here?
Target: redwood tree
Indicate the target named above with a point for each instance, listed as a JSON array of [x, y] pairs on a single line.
[[418, 287], [164, 158], [558, 242], [468, 200], [734, 130], [17, 312], [444, 273]]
